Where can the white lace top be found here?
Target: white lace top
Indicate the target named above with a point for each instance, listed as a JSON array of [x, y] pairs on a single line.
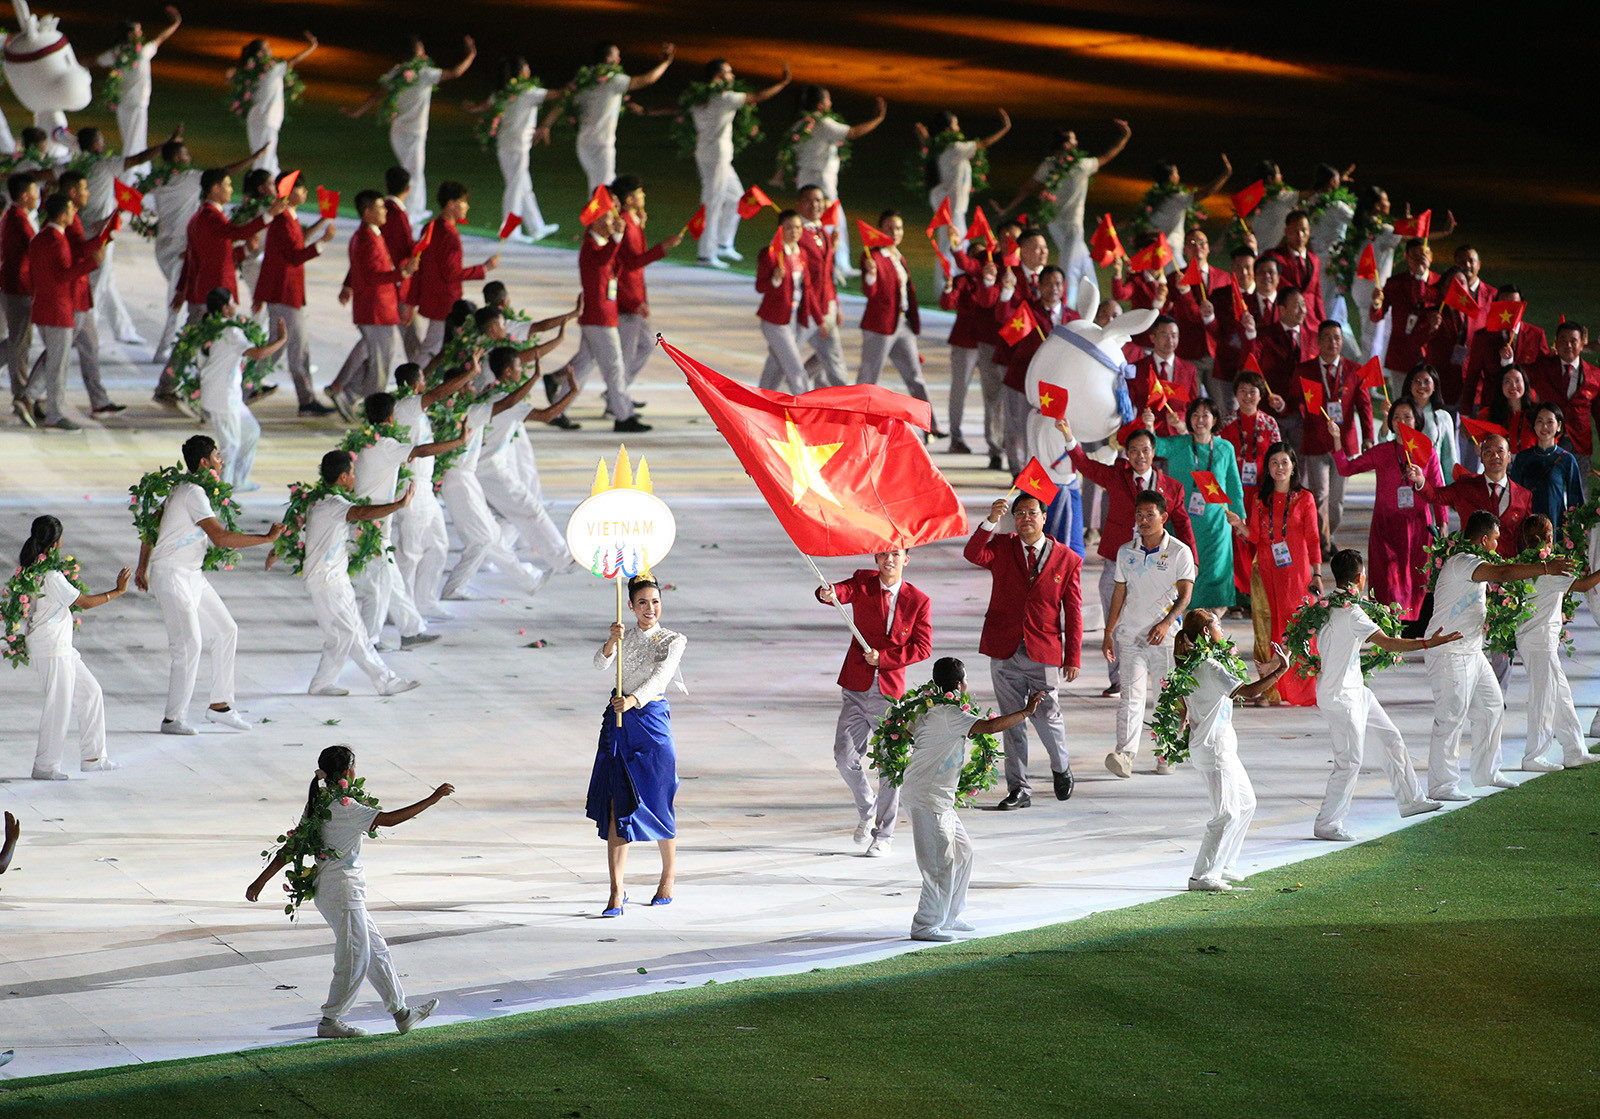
[[650, 659]]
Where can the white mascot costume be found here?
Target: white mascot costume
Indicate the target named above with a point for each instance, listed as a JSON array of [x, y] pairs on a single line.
[[44, 73]]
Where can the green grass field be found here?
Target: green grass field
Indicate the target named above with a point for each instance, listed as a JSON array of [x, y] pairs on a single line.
[[1447, 969]]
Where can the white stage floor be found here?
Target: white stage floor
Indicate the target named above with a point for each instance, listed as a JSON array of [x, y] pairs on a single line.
[[127, 936]]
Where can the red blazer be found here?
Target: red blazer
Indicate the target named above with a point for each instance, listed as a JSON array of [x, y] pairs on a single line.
[[1549, 380], [1231, 344], [1117, 480], [883, 310], [208, 260], [818, 243], [1305, 275], [1144, 375], [16, 234], [1404, 296], [1468, 494], [1043, 615], [907, 641], [373, 280], [436, 284], [283, 263], [1196, 338], [597, 274], [635, 256], [778, 300], [396, 231], [973, 302], [82, 249], [1353, 401], [1480, 381], [1279, 356], [54, 270]]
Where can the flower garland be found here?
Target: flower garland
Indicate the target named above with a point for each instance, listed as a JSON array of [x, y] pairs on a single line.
[[84, 163], [246, 78], [448, 414], [1508, 604], [799, 133], [1059, 165], [1576, 528], [395, 82], [291, 546], [1170, 726], [1345, 257], [358, 439], [1155, 196], [1320, 202], [588, 77], [302, 848], [1308, 620], [147, 498], [194, 343], [123, 58], [746, 122], [891, 741], [488, 126], [19, 594], [248, 209], [915, 175], [34, 155]]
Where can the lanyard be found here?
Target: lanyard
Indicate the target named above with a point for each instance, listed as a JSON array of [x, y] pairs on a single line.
[[1254, 433], [1287, 501], [1211, 451]]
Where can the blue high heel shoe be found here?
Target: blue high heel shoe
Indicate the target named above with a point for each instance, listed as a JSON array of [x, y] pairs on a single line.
[[659, 900], [617, 912]]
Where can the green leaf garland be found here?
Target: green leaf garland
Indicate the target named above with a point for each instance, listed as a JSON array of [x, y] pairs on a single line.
[[1059, 165], [915, 175], [291, 546], [358, 439], [890, 745], [1170, 725], [147, 498], [302, 846], [487, 130], [1194, 216], [1508, 604], [798, 134], [396, 81], [194, 342], [1300, 636], [746, 122], [246, 79], [21, 591], [123, 56]]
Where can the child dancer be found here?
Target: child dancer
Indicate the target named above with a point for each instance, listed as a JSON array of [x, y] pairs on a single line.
[[928, 790], [1552, 717], [340, 885], [500, 472], [70, 689], [222, 389], [421, 543]]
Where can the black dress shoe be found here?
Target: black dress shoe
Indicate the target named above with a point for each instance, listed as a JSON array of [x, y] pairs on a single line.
[[566, 423], [261, 393], [638, 404], [315, 408], [1114, 689], [1064, 784], [1015, 799], [632, 423], [957, 447], [995, 463]]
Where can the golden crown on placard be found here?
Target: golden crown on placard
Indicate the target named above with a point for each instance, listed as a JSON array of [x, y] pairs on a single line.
[[623, 477]]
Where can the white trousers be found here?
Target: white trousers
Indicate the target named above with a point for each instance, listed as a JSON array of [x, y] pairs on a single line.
[[601, 347], [638, 343], [1464, 692], [1552, 715], [344, 637], [421, 548], [944, 856], [411, 152], [480, 536], [383, 595], [71, 694], [518, 197], [783, 357], [1233, 806], [196, 621], [263, 135], [900, 348], [599, 162], [359, 953], [169, 258], [859, 715], [963, 362], [1350, 721], [133, 125], [237, 434], [1072, 255], [1143, 666], [719, 194], [510, 499]]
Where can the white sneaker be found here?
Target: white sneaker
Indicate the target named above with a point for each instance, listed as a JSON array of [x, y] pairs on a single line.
[[176, 726], [1163, 766], [332, 1027], [1209, 886], [395, 687], [1502, 782], [1580, 759], [1539, 765], [864, 831], [1453, 793], [712, 262], [329, 690], [1419, 807], [1594, 726], [553, 227], [412, 1016], [228, 718], [52, 775], [1334, 835], [541, 576], [728, 252], [879, 848], [101, 765], [1119, 764], [937, 935], [1231, 876], [958, 925]]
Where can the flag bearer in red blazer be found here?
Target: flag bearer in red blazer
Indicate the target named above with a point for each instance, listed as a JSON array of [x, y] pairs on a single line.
[[373, 284], [788, 301], [894, 617], [1032, 635], [440, 270]]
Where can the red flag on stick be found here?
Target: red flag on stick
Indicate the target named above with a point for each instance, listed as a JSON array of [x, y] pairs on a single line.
[[424, 241], [1206, 484], [1367, 266], [1418, 447], [753, 201], [1035, 482], [1251, 365], [128, 199], [1240, 308], [1313, 393], [327, 202], [1020, 325], [941, 218], [844, 469], [1505, 314], [979, 227], [1246, 201], [1011, 252], [1482, 429], [697, 224], [509, 226], [1458, 298], [600, 202], [286, 184], [832, 216], [1372, 375], [1104, 245], [1154, 257], [1415, 227], [872, 237], [1052, 400]]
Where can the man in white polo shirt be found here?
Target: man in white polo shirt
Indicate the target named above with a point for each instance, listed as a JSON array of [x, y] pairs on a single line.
[[1155, 577]]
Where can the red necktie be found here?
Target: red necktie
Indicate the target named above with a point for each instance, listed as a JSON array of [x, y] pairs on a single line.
[[1033, 563]]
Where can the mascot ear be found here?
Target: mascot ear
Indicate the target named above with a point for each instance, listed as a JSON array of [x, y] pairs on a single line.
[[1129, 323], [1088, 299]]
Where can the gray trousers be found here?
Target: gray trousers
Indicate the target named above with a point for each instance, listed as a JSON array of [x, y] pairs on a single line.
[[296, 350], [859, 714], [963, 362], [602, 346], [1318, 474], [991, 379], [1015, 408], [51, 385], [1108, 587], [379, 342], [638, 343], [18, 308], [900, 348], [1015, 679], [783, 358], [825, 366]]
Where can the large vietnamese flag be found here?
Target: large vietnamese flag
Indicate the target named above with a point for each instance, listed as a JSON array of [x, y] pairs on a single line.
[[844, 468]]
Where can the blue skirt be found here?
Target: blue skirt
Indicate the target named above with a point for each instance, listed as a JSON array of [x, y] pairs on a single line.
[[635, 774]]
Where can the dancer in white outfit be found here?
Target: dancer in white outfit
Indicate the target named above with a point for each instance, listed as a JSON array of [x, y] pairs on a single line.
[[131, 58], [928, 793], [713, 157], [359, 950], [1552, 716], [70, 690], [500, 472], [1352, 710], [817, 157], [406, 91], [596, 95], [949, 176], [421, 542], [194, 613], [516, 129], [481, 539], [1166, 205], [222, 389], [263, 113]]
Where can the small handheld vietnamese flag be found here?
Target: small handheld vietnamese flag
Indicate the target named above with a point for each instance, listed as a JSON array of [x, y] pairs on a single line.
[[1019, 326], [327, 202], [980, 228], [127, 198], [1154, 257], [1207, 486], [832, 216], [1052, 400], [111, 226], [1372, 376], [1245, 202], [1367, 266], [1011, 253], [941, 217], [697, 223], [1418, 447], [600, 202], [1414, 227], [872, 237], [286, 184], [753, 201], [944, 265], [1191, 276], [1240, 308], [1505, 314], [509, 226], [1251, 365], [424, 241], [1482, 429], [1314, 394], [1035, 482], [1458, 298], [1104, 245]]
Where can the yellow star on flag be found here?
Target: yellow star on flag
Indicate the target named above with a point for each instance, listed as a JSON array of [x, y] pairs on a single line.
[[1018, 323], [1505, 317], [1212, 487], [805, 462], [1044, 399]]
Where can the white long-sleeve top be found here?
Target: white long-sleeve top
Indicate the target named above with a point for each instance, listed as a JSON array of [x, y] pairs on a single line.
[[650, 659]]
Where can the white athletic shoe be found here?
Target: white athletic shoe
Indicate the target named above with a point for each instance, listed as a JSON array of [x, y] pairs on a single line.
[[228, 718], [1579, 759], [332, 1027], [937, 935], [958, 925], [1209, 886], [879, 848], [728, 252], [1231, 876], [176, 726], [1334, 835], [395, 687], [409, 1018], [329, 690], [1453, 793], [1162, 766], [864, 831], [711, 262], [1419, 806], [1502, 782], [1119, 764], [1539, 765], [101, 765], [52, 775]]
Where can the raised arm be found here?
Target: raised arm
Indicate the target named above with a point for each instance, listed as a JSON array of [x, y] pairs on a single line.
[[1270, 672], [366, 106], [653, 75], [1002, 723], [1510, 572], [1005, 126], [240, 164], [440, 446], [461, 67], [222, 538], [151, 152], [257, 353], [1117, 145], [450, 387], [401, 815], [166, 32], [1216, 184], [859, 130], [771, 91], [311, 45], [357, 513], [90, 601]]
